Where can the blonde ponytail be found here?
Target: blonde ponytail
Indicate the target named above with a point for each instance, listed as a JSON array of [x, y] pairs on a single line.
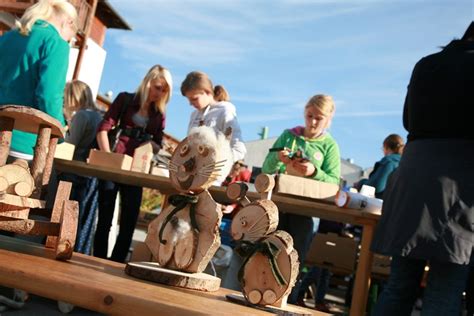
[[44, 10]]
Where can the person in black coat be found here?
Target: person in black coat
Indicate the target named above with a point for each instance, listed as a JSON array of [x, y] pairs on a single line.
[[428, 211]]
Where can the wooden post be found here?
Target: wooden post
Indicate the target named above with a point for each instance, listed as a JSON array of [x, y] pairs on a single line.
[[364, 268], [40, 156], [83, 45], [48, 167], [6, 128]]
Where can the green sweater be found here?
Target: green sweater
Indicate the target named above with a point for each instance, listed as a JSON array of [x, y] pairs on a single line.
[[33, 73], [322, 152]]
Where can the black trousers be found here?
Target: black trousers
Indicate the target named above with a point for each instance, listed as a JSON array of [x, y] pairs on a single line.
[[131, 197]]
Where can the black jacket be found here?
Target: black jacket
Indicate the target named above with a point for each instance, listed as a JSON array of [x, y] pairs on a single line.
[[428, 210]]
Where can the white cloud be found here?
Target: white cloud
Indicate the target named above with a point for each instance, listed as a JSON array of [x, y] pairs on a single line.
[[185, 50]]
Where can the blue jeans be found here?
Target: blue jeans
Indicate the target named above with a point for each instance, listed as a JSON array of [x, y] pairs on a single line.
[[85, 191], [442, 295]]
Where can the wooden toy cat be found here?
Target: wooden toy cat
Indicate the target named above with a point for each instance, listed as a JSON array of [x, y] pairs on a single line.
[[185, 235]]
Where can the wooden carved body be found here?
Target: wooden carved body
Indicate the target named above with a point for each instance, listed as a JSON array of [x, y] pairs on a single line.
[[271, 264], [268, 281], [184, 247]]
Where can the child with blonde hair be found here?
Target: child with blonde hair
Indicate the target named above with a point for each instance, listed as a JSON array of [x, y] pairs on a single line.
[[308, 151]]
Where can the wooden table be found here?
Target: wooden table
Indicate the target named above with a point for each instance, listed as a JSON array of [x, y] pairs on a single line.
[[102, 285], [289, 204]]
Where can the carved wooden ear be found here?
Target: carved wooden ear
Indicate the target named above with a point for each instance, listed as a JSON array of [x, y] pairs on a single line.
[[228, 133]]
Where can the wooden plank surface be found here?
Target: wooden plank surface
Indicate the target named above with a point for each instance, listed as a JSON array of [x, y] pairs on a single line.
[[103, 286]]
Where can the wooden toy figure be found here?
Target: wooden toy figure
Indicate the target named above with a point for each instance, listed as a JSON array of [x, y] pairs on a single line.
[[185, 235], [270, 267], [23, 189]]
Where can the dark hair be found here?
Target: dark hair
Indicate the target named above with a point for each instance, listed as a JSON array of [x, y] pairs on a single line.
[[196, 80], [221, 94], [394, 142]]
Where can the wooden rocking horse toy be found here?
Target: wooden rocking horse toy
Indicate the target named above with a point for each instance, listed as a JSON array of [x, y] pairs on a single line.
[[185, 235], [270, 266], [22, 190]]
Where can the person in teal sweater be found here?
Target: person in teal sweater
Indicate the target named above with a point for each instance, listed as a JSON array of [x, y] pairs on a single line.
[[33, 64], [309, 152], [392, 149]]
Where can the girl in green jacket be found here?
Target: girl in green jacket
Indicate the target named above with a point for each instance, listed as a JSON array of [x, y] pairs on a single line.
[[309, 152], [33, 64]]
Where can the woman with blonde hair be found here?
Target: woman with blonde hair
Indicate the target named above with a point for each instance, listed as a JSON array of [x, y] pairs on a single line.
[[141, 117], [33, 64], [84, 118]]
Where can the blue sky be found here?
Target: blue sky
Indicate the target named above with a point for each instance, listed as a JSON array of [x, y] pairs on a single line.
[[273, 55]]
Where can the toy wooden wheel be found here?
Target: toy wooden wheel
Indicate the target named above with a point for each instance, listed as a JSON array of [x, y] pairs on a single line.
[[67, 231]]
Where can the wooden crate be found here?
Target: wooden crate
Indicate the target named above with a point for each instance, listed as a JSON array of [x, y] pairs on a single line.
[[332, 251], [110, 160], [64, 151], [305, 187]]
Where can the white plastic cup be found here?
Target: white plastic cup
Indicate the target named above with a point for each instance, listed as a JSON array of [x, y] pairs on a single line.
[[358, 201]]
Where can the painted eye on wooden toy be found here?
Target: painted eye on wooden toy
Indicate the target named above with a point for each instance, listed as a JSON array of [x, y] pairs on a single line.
[[184, 150], [203, 150]]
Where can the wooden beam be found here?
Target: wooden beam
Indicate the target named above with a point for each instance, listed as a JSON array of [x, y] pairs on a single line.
[[28, 226], [83, 45]]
